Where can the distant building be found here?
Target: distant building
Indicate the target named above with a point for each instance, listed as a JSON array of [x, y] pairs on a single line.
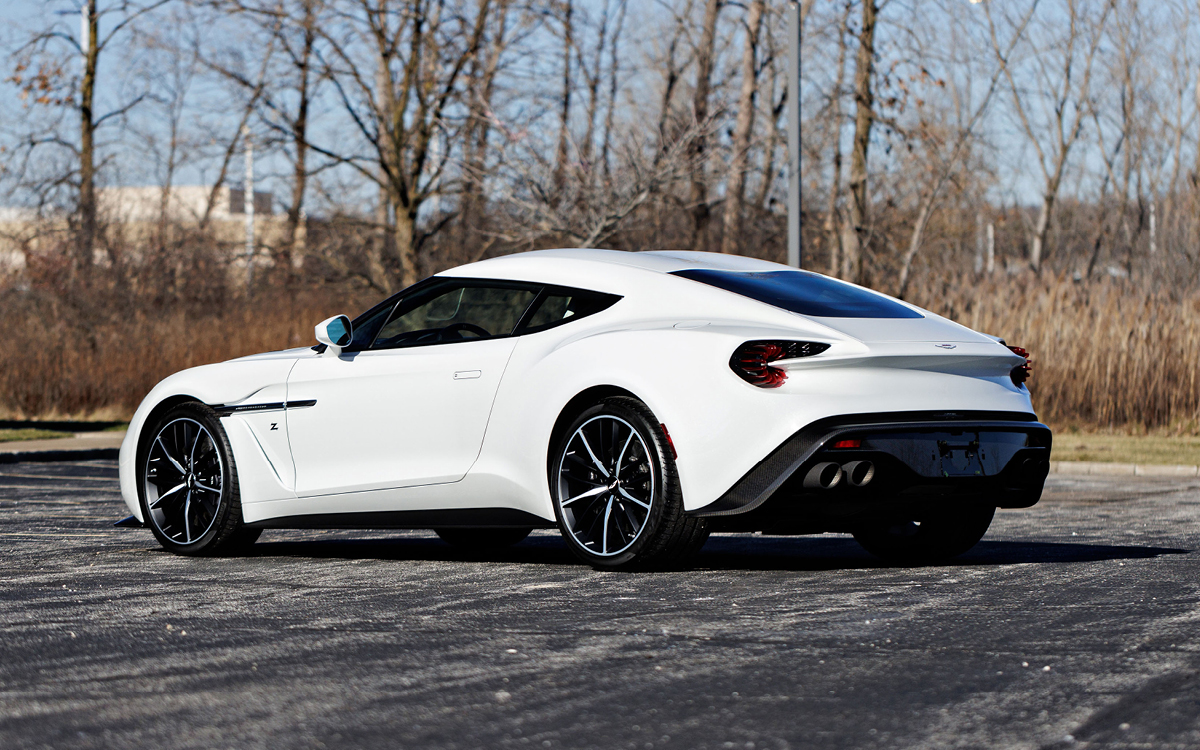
[[135, 213], [185, 203]]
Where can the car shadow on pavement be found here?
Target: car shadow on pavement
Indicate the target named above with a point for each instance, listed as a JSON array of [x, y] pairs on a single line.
[[842, 553], [733, 552]]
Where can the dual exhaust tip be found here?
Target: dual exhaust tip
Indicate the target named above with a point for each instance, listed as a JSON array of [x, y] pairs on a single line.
[[828, 474]]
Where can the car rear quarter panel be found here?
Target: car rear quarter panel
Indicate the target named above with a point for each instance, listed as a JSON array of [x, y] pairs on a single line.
[[721, 426]]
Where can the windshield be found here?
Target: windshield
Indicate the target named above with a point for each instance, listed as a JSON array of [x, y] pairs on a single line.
[[803, 292]]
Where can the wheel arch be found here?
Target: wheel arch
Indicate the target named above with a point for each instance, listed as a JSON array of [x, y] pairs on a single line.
[[574, 407], [151, 421]]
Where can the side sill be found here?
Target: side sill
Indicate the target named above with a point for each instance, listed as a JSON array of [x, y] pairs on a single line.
[[461, 518], [129, 523]]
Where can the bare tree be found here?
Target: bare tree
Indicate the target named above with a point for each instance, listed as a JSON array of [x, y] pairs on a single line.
[[1064, 98], [947, 149], [41, 73], [743, 129], [705, 61], [397, 69], [833, 224], [566, 9], [291, 26], [856, 237], [583, 212]]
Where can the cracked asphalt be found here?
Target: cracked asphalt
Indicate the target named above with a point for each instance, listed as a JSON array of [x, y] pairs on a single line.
[[1073, 624]]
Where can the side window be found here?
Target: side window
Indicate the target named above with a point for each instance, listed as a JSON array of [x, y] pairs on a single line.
[[454, 311], [560, 306]]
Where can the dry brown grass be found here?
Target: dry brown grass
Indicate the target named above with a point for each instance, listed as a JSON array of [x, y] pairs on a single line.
[[1107, 355], [64, 361]]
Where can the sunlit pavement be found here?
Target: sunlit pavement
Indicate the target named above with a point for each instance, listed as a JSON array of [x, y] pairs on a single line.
[[1074, 624]]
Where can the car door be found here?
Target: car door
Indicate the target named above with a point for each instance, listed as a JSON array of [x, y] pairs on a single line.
[[411, 407]]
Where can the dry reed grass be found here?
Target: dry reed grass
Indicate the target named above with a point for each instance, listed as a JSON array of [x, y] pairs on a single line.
[[1107, 354], [81, 364]]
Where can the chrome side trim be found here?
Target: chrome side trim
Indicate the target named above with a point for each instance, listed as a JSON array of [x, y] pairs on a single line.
[[225, 411]]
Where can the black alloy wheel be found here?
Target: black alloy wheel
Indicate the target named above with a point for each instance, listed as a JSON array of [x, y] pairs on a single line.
[[616, 491], [189, 491]]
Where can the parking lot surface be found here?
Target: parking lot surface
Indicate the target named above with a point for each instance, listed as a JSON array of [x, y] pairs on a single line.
[[1073, 624]]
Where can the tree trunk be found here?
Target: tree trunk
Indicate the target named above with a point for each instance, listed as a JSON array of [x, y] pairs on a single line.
[[698, 195], [292, 257], [1041, 229], [593, 102], [406, 251], [564, 115], [377, 249], [833, 236], [613, 70], [82, 267], [864, 118], [1196, 187], [914, 242], [481, 86], [743, 129]]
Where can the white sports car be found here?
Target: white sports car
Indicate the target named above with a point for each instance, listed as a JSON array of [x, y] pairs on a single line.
[[637, 401]]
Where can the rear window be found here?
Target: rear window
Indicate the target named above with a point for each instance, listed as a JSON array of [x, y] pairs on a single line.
[[803, 292]]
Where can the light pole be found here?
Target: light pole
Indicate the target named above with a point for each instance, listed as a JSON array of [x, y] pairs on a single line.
[[793, 133]]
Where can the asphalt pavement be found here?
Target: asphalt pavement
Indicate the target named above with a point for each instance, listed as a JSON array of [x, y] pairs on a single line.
[[1073, 624]]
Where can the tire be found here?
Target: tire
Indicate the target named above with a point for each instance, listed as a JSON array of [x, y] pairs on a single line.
[[931, 540], [482, 540], [615, 523], [188, 485]]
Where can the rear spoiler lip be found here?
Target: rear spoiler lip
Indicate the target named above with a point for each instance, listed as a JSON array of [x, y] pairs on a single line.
[[955, 358]]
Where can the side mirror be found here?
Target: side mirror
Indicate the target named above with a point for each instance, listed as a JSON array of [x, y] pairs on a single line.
[[335, 333]]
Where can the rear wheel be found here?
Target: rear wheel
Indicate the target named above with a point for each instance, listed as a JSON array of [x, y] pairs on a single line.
[[189, 491], [482, 540], [934, 539], [616, 491]]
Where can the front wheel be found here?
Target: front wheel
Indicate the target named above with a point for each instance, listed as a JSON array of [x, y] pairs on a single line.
[[616, 491], [933, 539], [189, 492]]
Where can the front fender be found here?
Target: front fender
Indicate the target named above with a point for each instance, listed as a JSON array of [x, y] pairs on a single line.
[[236, 381]]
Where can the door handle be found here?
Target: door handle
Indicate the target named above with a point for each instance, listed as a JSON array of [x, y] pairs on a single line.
[[467, 374]]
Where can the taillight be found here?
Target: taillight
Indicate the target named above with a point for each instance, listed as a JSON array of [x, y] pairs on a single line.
[[752, 360], [1021, 373]]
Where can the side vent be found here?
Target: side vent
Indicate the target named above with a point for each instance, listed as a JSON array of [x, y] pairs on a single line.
[[752, 360]]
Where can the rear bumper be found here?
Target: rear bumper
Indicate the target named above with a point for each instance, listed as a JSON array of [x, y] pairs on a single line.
[[921, 461]]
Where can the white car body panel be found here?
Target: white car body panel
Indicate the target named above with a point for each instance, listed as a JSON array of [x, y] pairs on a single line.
[[390, 428], [394, 430]]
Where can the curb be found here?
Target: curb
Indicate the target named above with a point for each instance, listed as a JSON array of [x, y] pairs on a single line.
[[87, 454], [1097, 468]]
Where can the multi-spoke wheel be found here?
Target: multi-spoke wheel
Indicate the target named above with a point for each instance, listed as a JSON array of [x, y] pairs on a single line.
[[190, 495], [616, 493], [940, 537]]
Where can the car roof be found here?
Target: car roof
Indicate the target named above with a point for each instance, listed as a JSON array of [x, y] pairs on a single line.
[[563, 259]]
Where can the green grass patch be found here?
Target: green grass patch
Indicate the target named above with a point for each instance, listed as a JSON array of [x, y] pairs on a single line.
[[1126, 449], [9, 436]]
